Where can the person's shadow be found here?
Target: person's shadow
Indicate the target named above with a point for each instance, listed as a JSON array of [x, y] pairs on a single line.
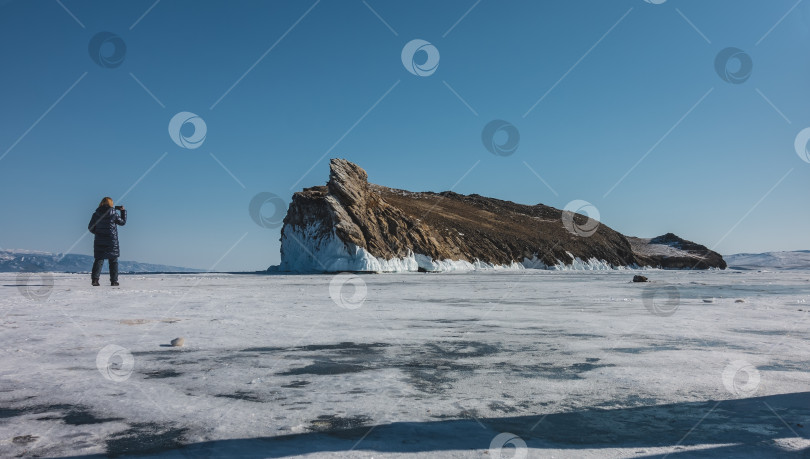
[[770, 426]]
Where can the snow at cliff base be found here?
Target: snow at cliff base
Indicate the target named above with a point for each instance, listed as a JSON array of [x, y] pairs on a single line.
[[305, 250]]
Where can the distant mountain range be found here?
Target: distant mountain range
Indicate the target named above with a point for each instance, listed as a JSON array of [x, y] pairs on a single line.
[[32, 261], [799, 259]]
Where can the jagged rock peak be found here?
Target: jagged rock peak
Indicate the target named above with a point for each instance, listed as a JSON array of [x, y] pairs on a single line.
[[348, 181]]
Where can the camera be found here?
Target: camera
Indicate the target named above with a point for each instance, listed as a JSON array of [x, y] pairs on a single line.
[[119, 207]]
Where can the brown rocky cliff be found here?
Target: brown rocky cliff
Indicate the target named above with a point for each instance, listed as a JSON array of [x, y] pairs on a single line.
[[391, 223]]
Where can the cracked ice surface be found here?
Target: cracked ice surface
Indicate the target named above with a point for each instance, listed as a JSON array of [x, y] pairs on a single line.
[[575, 364]]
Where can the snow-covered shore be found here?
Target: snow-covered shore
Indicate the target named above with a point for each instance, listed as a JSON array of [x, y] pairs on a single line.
[[572, 364]]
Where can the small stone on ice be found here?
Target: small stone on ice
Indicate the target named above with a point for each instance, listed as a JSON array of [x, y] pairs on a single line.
[[638, 278], [178, 342], [739, 301]]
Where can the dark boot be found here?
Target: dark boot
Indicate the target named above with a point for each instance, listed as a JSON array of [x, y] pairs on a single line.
[[113, 271], [95, 283]]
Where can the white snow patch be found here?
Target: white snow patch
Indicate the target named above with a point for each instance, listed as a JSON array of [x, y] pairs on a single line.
[[644, 247]]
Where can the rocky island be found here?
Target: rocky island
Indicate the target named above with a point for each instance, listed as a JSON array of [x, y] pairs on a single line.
[[353, 225]]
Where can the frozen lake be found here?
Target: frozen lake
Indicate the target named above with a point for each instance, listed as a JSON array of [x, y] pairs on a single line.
[[566, 364]]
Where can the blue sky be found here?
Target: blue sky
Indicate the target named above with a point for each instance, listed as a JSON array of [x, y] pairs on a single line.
[[592, 86]]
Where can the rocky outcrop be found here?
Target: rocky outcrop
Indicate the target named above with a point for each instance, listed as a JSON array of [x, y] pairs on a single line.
[[352, 225], [671, 252]]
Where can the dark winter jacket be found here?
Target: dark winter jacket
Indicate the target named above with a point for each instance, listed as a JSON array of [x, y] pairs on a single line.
[[104, 224]]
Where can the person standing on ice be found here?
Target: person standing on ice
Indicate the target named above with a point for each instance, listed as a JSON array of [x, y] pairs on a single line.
[[104, 225]]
